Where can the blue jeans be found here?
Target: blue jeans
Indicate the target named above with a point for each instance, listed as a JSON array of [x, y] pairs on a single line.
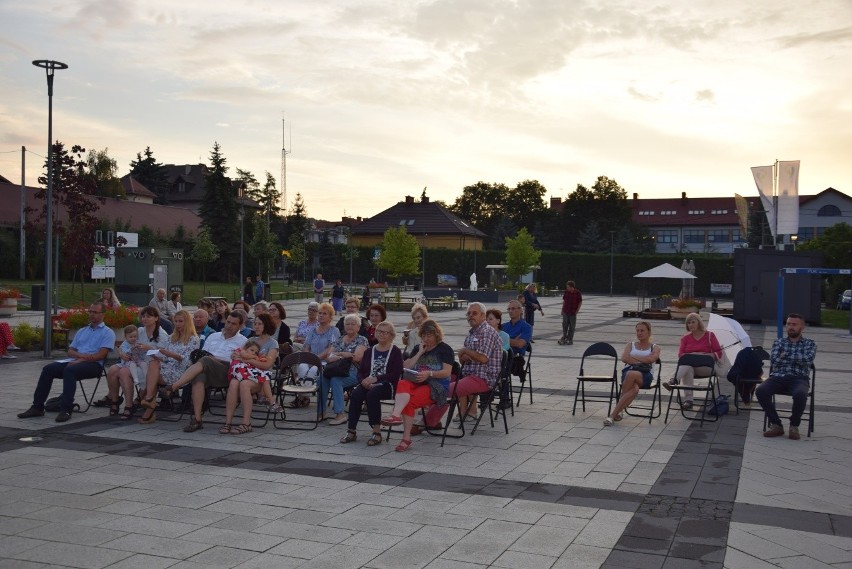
[[793, 385], [69, 375], [337, 385]]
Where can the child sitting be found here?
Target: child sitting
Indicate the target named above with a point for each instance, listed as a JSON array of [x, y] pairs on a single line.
[[132, 356], [244, 369]]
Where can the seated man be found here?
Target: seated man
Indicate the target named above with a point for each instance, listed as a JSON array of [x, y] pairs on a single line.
[[520, 335], [166, 308], [201, 321], [480, 358], [87, 353], [212, 370], [791, 359]]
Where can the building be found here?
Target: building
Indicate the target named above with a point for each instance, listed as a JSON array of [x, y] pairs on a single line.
[[136, 191], [432, 225]]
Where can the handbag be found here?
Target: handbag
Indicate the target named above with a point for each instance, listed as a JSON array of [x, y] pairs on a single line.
[[337, 368], [720, 406], [196, 355]]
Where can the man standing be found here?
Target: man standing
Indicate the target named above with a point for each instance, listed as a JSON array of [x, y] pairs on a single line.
[[572, 298], [164, 306], [531, 304], [201, 321], [259, 289], [212, 370], [319, 286], [791, 361], [480, 358], [86, 356]]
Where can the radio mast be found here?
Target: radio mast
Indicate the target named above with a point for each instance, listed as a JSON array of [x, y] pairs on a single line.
[[284, 153]]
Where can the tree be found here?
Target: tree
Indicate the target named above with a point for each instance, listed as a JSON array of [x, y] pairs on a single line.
[[481, 204], [836, 244], [297, 219], [103, 171], [219, 208], [296, 254], [399, 253], [74, 192], [605, 202], [590, 239], [521, 256], [264, 245], [252, 186], [204, 252], [270, 198], [525, 203], [502, 229], [151, 174]]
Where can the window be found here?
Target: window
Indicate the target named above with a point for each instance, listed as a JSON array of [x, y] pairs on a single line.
[[737, 236], [829, 211], [805, 234], [410, 222], [403, 221], [667, 236], [181, 187], [693, 236], [718, 236]]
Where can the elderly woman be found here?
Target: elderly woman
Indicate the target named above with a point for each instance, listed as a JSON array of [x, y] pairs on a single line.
[[352, 306], [697, 340], [378, 375], [319, 341], [433, 360], [173, 360], [410, 337], [150, 337], [306, 325], [376, 314], [639, 357], [109, 298], [350, 346], [174, 304], [282, 331], [243, 388]]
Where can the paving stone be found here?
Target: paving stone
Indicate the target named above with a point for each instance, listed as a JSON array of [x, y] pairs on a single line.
[[66, 554]]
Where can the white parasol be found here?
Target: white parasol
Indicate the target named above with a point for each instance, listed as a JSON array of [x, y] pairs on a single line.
[[731, 336]]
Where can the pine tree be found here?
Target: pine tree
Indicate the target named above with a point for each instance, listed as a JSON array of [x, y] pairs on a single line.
[[151, 174], [219, 210]]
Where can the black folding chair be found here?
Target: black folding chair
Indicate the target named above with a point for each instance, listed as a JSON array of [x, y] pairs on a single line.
[[752, 382], [289, 384], [656, 399], [710, 387], [524, 378], [495, 400], [810, 408], [90, 399], [597, 352]]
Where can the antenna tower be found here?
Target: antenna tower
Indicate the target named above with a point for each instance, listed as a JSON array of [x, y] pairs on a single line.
[[284, 153]]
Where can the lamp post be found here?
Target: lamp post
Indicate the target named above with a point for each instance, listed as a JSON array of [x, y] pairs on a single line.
[[611, 257], [794, 238], [50, 68], [423, 285], [242, 226]]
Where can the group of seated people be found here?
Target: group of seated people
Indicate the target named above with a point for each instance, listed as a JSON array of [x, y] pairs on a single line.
[[226, 349]]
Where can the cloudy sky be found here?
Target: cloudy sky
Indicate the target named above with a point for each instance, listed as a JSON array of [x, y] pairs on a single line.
[[385, 97]]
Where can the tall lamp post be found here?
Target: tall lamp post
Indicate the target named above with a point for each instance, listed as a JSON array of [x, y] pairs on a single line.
[[611, 257], [242, 225], [50, 68]]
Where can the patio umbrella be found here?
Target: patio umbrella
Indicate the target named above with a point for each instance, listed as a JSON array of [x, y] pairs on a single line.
[[731, 337]]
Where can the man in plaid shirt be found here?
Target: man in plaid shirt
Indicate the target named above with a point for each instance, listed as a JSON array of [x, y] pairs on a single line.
[[791, 360], [480, 357]]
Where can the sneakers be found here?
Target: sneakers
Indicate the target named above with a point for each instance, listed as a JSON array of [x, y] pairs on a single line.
[[686, 405], [7, 357], [608, 422], [562, 341], [63, 416], [668, 384], [13, 347], [778, 431], [32, 412], [794, 433]]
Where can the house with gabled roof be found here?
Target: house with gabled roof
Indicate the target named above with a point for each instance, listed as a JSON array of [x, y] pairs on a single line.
[[135, 191], [433, 226]]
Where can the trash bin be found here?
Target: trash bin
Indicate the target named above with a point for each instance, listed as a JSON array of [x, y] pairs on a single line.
[[37, 301]]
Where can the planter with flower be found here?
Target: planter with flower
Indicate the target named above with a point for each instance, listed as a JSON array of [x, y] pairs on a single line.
[[682, 307], [9, 300], [116, 318]]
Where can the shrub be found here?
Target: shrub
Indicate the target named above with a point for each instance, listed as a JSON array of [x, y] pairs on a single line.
[[78, 317], [28, 337]]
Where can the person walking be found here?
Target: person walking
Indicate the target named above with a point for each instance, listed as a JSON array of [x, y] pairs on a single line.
[[572, 298]]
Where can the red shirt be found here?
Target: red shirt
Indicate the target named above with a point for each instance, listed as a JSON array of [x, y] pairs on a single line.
[[571, 301]]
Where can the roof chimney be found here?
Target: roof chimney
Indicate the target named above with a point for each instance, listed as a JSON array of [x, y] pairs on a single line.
[[683, 195], [409, 199], [424, 199], [635, 196], [555, 202]]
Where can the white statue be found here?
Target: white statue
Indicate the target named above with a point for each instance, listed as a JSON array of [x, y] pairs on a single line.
[[473, 285]]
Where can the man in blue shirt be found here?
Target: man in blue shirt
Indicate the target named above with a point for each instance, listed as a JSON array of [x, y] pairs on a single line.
[[520, 336], [259, 289], [86, 356], [319, 287], [792, 358]]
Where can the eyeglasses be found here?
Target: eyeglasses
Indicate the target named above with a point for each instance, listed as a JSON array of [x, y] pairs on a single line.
[[383, 332], [514, 308], [313, 310]]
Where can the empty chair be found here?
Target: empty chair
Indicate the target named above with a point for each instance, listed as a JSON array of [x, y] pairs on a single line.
[[597, 351], [289, 385]]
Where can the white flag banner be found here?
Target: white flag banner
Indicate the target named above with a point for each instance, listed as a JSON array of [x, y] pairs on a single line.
[[788, 197], [763, 180]]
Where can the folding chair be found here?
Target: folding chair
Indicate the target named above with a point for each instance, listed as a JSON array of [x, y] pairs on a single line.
[[656, 399], [494, 399], [89, 399], [526, 377], [810, 408], [289, 385], [599, 351], [710, 388], [752, 381]]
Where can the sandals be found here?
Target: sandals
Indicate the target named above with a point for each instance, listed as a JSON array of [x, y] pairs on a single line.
[[105, 401], [129, 410], [617, 417], [113, 408], [392, 420], [241, 430], [403, 445], [225, 429], [608, 422], [351, 436], [300, 402], [375, 439], [149, 403], [194, 425], [147, 420]]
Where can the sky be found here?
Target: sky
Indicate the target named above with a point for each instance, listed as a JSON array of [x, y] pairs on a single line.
[[377, 99]]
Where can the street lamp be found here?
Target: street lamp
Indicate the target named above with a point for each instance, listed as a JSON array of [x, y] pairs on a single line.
[[794, 238], [242, 226], [611, 257], [50, 68]]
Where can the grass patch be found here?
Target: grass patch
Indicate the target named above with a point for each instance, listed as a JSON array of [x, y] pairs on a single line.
[[832, 318]]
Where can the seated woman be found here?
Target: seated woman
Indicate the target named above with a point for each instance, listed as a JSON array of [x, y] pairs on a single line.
[[173, 360], [350, 346], [7, 342], [376, 314], [378, 375], [410, 337], [318, 341], [494, 318], [250, 374], [150, 337], [109, 298], [698, 340], [433, 361], [243, 305], [219, 315], [282, 331], [640, 356], [351, 306], [306, 325]]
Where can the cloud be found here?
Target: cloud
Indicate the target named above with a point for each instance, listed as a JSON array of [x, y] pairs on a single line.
[[833, 37], [705, 95]]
